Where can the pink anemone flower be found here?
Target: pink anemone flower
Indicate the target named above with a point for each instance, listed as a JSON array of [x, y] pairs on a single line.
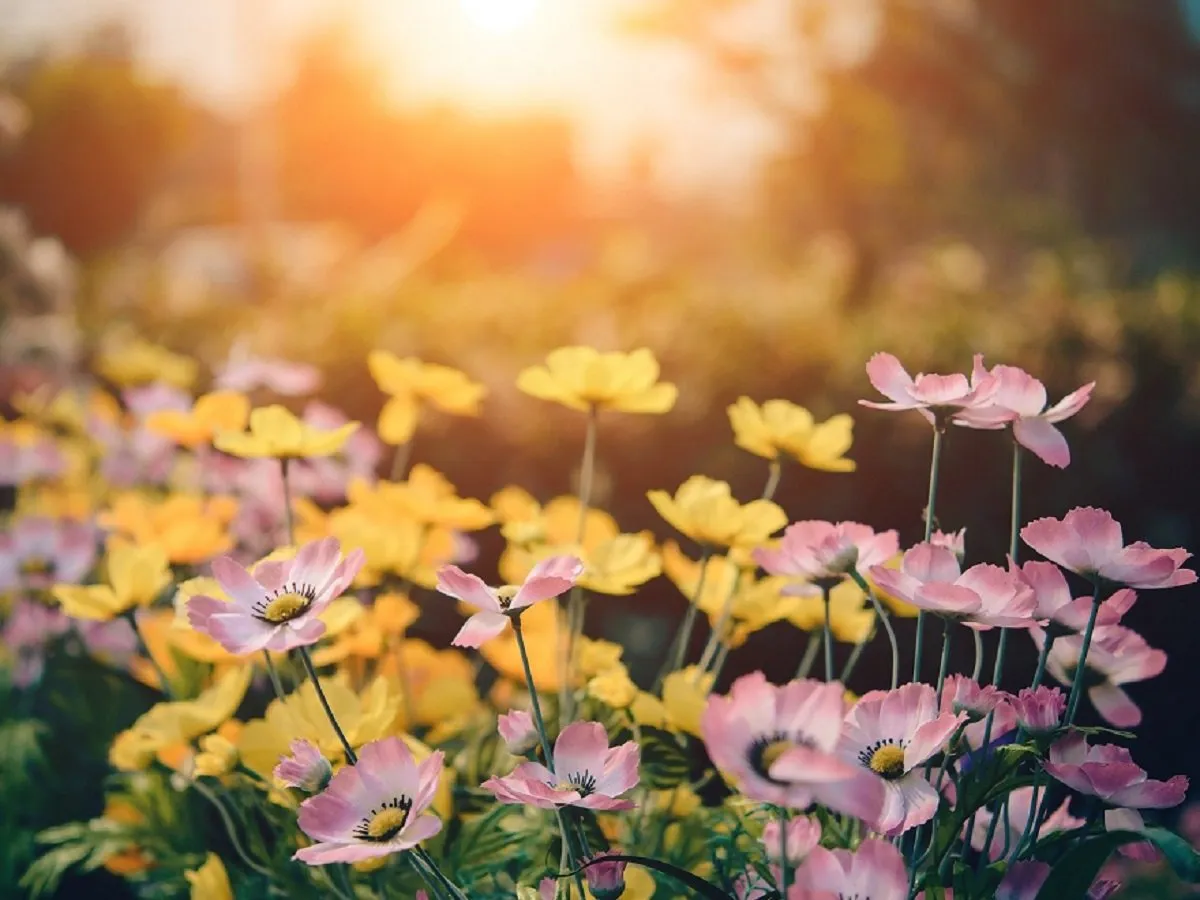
[[1109, 772], [875, 870], [892, 734], [1020, 808], [277, 606], [372, 808], [963, 694], [824, 552], [1040, 710], [1088, 542], [587, 773], [1055, 606], [1117, 656], [928, 394], [37, 553], [306, 768], [779, 743], [1020, 399], [802, 835], [547, 579]]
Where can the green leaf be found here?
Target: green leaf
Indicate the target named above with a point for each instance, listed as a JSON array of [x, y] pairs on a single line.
[[684, 877], [1077, 868], [1179, 853], [665, 762]]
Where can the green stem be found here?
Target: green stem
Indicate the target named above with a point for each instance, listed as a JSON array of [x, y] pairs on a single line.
[[944, 664], [718, 632], [774, 474], [287, 501], [351, 757], [856, 654], [935, 463], [1028, 832], [1043, 656], [273, 673], [719, 661], [400, 460], [572, 857], [977, 635], [680, 645], [1014, 519], [230, 829], [163, 684], [440, 876], [534, 703], [783, 860], [1081, 669], [885, 618], [810, 656], [1001, 650], [575, 605], [828, 636], [431, 880]]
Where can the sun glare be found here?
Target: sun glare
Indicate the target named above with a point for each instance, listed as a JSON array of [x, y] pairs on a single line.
[[499, 16]]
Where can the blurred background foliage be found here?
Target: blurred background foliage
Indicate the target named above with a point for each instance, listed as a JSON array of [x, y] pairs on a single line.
[[995, 176]]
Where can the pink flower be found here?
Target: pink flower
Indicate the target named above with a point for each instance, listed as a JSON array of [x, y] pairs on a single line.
[[586, 773], [1131, 820], [803, 834], [1040, 710], [1019, 399], [824, 552], [245, 373], [517, 731], [928, 394], [983, 597], [37, 553], [1022, 880], [31, 626], [1088, 542], [548, 578], [306, 768], [1004, 720], [892, 734], [1109, 772], [276, 607], [1019, 810], [955, 541], [963, 694], [606, 877], [876, 870], [757, 726], [1054, 603], [751, 885], [372, 808], [23, 462], [1117, 656]]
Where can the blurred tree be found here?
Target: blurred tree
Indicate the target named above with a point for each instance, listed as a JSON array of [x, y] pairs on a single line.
[[100, 137]]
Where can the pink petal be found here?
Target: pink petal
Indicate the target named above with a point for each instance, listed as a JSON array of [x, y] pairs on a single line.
[[201, 608], [324, 854], [580, 747], [301, 632], [454, 582], [422, 829], [240, 633], [599, 801], [1114, 706], [930, 563], [920, 801], [931, 738], [1057, 542], [948, 599], [888, 376], [1152, 794], [940, 390], [1018, 391], [391, 764], [549, 578], [1098, 531], [235, 581], [1042, 439], [801, 765], [481, 627], [620, 770], [1070, 404]]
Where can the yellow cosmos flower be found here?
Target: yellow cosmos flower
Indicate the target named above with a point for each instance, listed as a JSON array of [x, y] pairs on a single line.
[[190, 529], [545, 644], [218, 755], [61, 410], [394, 545], [779, 426], [212, 413], [615, 567], [685, 695], [427, 496], [394, 613], [704, 509], [210, 881], [137, 362], [524, 522], [730, 591], [135, 576], [585, 379], [850, 619], [594, 657], [409, 381], [276, 432], [613, 687], [133, 859], [442, 682]]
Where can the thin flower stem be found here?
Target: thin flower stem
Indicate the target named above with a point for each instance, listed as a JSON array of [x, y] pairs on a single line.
[[533, 695], [431, 881], [856, 654], [810, 656], [783, 860], [774, 474], [718, 632], [977, 635], [438, 874], [1081, 669], [1028, 832], [680, 645], [719, 662], [287, 501], [575, 602], [163, 683], [573, 858], [886, 620], [1014, 546], [944, 664], [351, 757], [1040, 672], [273, 673], [1001, 651], [400, 460], [935, 463], [230, 829], [827, 635]]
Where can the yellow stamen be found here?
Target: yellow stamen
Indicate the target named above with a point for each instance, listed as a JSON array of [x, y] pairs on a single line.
[[773, 751], [386, 823], [888, 761], [35, 566], [285, 607], [505, 594]]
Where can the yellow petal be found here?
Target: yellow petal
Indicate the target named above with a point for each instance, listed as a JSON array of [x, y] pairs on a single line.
[[538, 382], [398, 420]]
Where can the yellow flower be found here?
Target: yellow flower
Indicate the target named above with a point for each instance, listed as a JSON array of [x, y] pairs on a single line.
[[135, 577], [594, 657], [408, 381], [133, 859], [275, 432], [730, 591], [676, 803], [394, 613], [648, 710], [394, 544], [209, 882], [442, 682], [685, 695], [426, 496], [212, 413], [137, 362], [364, 718], [781, 426], [705, 510], [525, 523], [585, 379], [190, 529], [63, 410], [539, 623], [613, 687], [218, 755], [849, 619]]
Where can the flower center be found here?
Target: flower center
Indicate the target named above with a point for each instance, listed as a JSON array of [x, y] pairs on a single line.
[[505, 595], [385, 822], [289, 604], [1091, 677], [583, 782], [766, 750], [35, 565], [885, 758]]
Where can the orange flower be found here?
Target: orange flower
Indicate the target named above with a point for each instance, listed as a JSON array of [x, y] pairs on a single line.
[[190, 529], [212, 413]]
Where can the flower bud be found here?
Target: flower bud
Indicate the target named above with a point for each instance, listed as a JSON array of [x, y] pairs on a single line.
[[518, 732], [306, 768], [606, 877]]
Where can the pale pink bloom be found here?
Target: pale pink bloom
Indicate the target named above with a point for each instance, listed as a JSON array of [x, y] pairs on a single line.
[[955, 541], [1117, 656], [1022, 880], [372, 808], [37, 553], [246, 373], [802, 835], [824, 552], [21, 462], [945, 394], [892, 734], [133, 457], [587, 773], [1109, 772], [155, 397], [1019, 810], [31, 626], [1131, 820], [306, 768], [983, 597], [326, 479], [1040, 710], [547, 889], [606, 877], [277, 606], [547, 579], [1020, 399], [518, 731], [1088, 542], [1103, 888], [875, 870], [1055, 606], [757, 726], [1004, 720], [963, 694]]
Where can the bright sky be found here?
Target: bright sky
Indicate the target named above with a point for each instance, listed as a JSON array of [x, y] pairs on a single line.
[[488, 54]]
